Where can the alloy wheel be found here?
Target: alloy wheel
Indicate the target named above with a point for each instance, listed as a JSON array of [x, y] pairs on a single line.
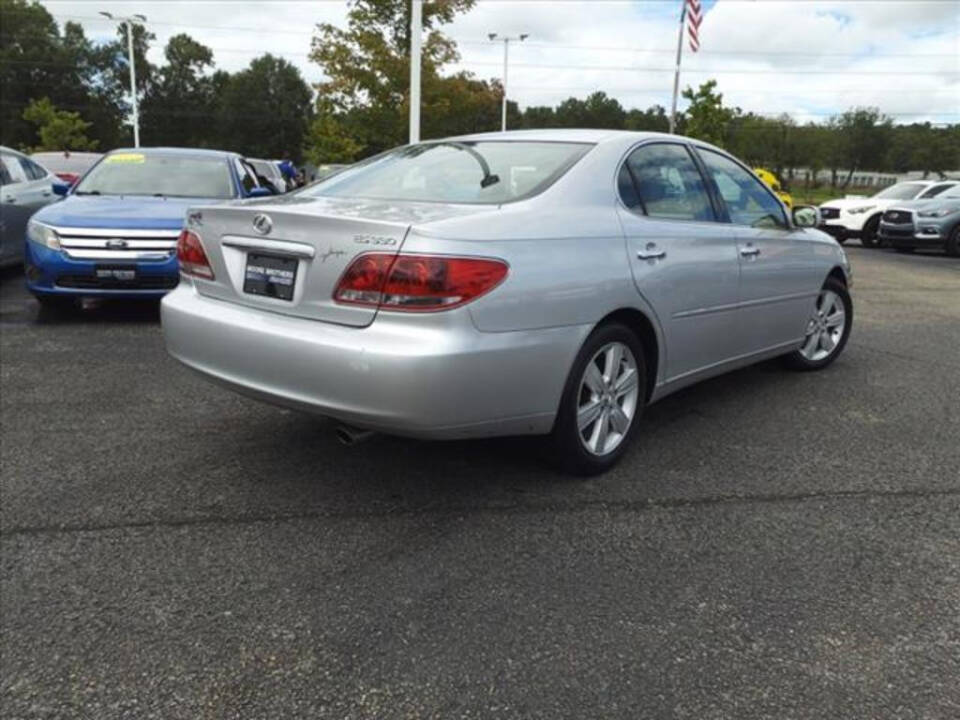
[[608, 397], [825, 327]]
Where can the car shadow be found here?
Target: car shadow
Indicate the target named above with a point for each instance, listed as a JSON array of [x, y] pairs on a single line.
[[294, 461]]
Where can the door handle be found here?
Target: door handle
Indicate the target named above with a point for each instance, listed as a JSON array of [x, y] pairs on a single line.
[[651, 253], [750, 251]]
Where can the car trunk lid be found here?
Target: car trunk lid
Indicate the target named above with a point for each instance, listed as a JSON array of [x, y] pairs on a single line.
[[304, 245]]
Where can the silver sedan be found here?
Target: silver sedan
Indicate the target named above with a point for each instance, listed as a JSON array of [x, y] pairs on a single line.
[[547, 282]]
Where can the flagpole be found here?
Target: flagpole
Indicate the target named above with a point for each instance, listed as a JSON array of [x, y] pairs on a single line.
[[676, 72]]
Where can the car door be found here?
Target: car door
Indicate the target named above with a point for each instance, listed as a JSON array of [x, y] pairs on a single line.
[[684, 262], [778, 276], [15, 208]]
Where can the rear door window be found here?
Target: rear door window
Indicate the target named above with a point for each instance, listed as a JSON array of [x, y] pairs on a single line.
[[31, 169], [936, 190], [13, 172], [666, 183], [748, 201], [248, 178]]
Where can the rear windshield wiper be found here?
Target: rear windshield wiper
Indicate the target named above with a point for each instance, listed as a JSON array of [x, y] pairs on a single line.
[[488, 177]]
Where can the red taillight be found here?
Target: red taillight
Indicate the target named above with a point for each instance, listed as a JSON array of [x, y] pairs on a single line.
[[417, 282], [193, 260]]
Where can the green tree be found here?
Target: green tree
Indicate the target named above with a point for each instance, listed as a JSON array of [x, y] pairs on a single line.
[[706, 116], [598, 110], [653, 119], [368, 69], [181, 98], [37, 60], [863, 134], [265, 110], [58, 129], [328, 141]]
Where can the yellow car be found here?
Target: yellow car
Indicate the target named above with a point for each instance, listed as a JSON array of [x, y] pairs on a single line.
[[774, 184]]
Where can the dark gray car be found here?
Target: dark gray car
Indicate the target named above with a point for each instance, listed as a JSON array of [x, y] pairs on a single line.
[[933, 223], [25, 187]]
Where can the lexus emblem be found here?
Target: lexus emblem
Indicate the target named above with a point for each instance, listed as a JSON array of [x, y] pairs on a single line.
[[116, 244], [262, 224]]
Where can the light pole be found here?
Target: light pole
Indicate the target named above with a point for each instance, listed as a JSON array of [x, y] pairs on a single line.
[[506, 55], [416, 40], [129, 21]]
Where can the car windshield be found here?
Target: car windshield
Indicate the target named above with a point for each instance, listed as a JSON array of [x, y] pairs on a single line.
[[482, 172], [901, 191], [163, 174]]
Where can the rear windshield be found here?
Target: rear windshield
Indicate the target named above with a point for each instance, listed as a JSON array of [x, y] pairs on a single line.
[[165, 174], [485, 172], [901, 191]]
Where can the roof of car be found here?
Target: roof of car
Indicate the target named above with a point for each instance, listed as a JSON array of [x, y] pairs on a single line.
[[200, 152], [565, 135]]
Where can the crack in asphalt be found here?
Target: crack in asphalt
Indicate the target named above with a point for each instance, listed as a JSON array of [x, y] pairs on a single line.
[[627, 506]]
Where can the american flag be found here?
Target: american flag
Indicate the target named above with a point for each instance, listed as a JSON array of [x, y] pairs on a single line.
[[694, 18]]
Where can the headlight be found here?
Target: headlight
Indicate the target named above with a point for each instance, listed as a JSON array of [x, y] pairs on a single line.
[[43, 235], [859, 210], [942, 212]]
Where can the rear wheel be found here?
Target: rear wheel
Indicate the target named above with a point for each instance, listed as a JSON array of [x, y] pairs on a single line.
[[868, 236], [602, 402], [827, 329]]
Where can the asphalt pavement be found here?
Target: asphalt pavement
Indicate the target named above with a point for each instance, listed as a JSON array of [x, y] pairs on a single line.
[[775, 545]]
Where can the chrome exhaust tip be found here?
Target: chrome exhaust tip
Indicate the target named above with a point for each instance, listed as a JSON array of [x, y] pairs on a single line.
[[350, 436]]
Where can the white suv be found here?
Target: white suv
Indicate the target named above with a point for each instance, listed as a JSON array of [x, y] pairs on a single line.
[[858, 216]]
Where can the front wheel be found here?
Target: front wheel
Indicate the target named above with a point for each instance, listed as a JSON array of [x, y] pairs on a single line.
[[868, 236], [953, 242], [827, 329], [602, 402]]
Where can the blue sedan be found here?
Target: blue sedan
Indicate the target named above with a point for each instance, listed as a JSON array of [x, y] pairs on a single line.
[[115, 233]]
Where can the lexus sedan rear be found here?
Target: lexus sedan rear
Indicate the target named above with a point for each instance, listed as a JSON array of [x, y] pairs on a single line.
[[525, 283]]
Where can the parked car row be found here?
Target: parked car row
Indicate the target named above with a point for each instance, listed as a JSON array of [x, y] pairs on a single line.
[[540, 283], [908, 215]]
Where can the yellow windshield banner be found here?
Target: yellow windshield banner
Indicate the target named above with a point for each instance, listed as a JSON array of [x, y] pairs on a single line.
[[136, 158]]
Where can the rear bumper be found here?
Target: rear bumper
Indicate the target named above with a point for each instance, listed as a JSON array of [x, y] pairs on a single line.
[[51, 272], [430, 376]]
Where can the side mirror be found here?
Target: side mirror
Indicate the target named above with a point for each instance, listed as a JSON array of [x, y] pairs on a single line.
[[60, 188], [805, 216], [259, 192]]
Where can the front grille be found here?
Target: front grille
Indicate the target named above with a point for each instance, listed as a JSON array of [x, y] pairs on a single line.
[[897, 217], [112, 244], [143, 282], [897, 232], [829, 213]]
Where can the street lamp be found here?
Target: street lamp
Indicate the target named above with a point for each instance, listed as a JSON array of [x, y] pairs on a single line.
[[129, 22], [506, 52]]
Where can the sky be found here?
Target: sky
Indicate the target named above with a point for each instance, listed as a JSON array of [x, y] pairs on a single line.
[[808, 58]]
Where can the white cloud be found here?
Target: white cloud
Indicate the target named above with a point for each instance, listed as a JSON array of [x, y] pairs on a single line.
[[807, 57]]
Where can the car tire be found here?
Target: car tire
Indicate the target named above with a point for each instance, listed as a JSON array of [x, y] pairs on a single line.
[[55, 303], [953, 242], [868, 236], [823, 343], [578, 445]]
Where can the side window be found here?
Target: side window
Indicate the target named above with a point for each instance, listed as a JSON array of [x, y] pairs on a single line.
[[14, 173], [248, 180], [5, 178], [748, 201], [31, 169], [666, 183], [935, 190]]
